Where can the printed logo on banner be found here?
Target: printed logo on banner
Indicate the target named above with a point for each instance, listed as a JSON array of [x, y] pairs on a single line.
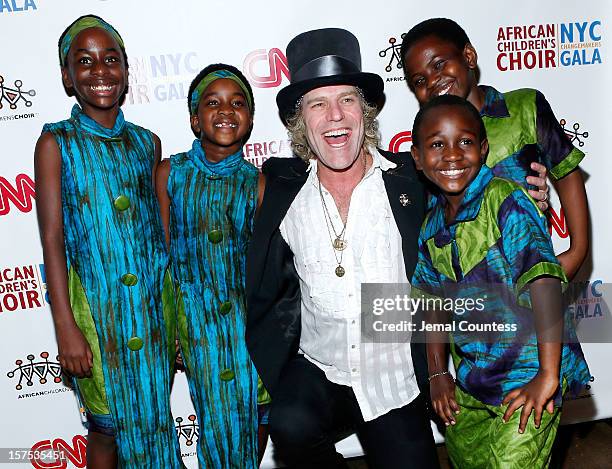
[[13, 6], [392, 59], [266, 68], [587, 304], [549, 45], [57, 453], [399, 139], [161, 78], [574, 134], [23, 287], [588, 300], [257, 153], [188, 433], [13, 97], [20, 194], [557, 223], [36, 369], [556, 220]]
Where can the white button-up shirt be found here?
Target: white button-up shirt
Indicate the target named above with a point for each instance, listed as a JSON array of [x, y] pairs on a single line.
[[381, 374]]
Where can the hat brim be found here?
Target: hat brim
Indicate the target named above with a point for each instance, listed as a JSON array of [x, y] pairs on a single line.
[[370, 84]]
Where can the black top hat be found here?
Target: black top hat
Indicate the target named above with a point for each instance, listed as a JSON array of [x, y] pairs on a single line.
[[325, 57]]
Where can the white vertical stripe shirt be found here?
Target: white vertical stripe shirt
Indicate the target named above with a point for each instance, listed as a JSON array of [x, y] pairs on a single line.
[[381, 374]]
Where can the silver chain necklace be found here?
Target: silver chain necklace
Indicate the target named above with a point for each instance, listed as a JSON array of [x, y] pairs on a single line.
[[337, 239]]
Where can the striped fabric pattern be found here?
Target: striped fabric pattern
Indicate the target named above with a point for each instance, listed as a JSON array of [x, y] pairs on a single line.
[[212, 210], [106, 240], [496, 245]]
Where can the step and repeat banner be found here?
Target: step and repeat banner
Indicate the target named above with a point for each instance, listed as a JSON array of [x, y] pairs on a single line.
[[558, 47]]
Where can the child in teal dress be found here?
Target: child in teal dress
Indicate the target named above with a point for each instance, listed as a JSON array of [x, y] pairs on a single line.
[[105, 256], [208, 197]]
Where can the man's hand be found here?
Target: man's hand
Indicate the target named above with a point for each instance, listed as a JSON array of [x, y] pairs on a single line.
[[75, 355], [541, 194], [535, 395], [442, 389]]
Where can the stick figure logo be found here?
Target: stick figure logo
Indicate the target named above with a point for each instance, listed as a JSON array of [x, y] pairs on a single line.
[[41, 370], [574, 134], [189, 431], [12, 96], [394, 53]]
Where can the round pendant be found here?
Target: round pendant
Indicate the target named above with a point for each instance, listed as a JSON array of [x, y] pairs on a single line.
[[339, 244], [340, 271]]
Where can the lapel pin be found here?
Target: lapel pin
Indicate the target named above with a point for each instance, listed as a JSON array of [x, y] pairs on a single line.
[[404, 200]]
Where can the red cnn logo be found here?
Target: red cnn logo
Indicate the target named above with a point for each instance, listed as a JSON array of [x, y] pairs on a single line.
[[276, 66], [399, 139], [75, 453], [557, 222], [21, 195]]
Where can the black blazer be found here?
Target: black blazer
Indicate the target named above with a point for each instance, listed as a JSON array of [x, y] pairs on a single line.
[[273, 290]]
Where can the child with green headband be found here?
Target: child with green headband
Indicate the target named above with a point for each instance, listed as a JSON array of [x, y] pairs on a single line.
[[105, 257], [208, 197]]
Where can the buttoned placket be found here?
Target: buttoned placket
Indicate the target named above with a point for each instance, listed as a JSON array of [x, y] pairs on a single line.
[[351, 365], [350, 282], [347, 283]]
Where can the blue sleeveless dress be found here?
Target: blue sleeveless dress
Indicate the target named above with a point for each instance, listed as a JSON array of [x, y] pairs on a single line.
[[117, 265], [211, 218]]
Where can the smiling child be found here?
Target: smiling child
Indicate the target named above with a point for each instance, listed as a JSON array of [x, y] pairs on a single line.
[[208, 197], [104, 252], [438, 59], [485, 235]]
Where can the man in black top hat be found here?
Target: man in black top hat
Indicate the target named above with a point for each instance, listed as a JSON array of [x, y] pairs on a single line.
[[343, 214]]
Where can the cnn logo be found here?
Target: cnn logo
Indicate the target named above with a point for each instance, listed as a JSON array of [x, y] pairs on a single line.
[[265, 69]]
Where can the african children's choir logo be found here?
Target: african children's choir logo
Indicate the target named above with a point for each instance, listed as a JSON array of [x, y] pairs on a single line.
[[551, 45], [14, 97], [556, 219], [187, 432], [392, 59], [161, 78], [257, 153], [37, 376], [573, 132], [266, 68], [23, 287], [38, 370], [14, 6]]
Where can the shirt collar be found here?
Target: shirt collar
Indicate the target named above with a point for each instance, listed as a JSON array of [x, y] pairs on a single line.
[[468, 210], [377, 162], [494, 103]]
